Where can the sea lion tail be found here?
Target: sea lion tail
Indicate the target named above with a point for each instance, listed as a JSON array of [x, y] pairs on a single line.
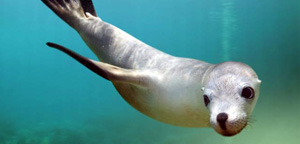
[[72, 11]]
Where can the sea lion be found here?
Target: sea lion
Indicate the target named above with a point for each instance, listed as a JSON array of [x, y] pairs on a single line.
[[178, 91]]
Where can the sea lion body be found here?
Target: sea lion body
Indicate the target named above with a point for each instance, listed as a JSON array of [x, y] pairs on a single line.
[[169, 98]]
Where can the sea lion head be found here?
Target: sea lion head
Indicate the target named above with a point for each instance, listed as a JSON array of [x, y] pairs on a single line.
[[230, 94]]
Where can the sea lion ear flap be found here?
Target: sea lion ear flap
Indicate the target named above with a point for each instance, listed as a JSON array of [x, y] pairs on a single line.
[[259, 81], [107, 71], [202, 89]]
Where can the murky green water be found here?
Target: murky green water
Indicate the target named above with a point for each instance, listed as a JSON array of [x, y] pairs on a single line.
[[48, 98]]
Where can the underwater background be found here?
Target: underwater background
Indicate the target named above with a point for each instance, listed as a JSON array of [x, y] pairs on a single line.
[[46, 97]]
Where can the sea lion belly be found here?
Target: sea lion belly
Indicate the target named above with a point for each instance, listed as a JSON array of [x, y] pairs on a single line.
[[168, 100]]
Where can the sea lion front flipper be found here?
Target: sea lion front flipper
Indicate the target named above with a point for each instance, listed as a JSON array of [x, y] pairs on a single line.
[[107, 71]]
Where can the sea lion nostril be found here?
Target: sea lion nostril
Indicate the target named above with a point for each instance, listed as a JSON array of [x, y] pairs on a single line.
[[222, 118]]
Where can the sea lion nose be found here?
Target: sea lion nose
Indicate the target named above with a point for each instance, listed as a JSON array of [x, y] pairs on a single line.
[[222, 118]]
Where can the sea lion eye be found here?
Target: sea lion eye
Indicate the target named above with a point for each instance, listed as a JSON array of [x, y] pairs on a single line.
[[247, 92], [206, 100]]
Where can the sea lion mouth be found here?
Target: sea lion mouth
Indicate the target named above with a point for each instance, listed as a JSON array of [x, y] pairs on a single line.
[[231, 130], [229, 134]]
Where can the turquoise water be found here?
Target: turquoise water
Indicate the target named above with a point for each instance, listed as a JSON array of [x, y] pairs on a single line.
[[48, 98]]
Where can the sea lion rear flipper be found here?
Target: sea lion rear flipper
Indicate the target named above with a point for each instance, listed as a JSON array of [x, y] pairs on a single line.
[[72, 11], [107, 71]]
